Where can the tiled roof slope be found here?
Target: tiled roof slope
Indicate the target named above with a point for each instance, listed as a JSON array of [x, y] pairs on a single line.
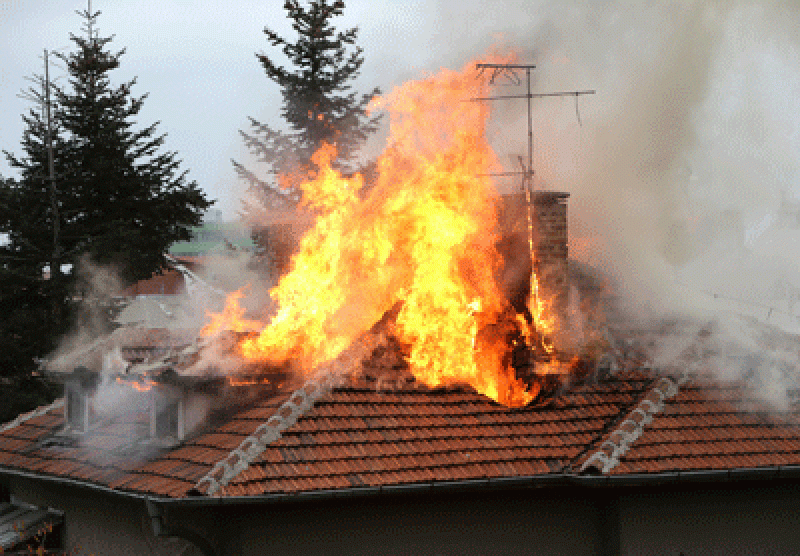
[[709, 425], [175, 472], [356, 434], [702, 425], [366, 433], [110, 455], [362, 436], [606, 453]]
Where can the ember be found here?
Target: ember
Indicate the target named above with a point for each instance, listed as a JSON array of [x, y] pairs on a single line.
[[421, 240], [251, 381], [140, 384]]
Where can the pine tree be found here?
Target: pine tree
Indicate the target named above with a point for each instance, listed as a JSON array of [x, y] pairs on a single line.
[[117, 199], [34, 308], [318, 103], [131, 201]]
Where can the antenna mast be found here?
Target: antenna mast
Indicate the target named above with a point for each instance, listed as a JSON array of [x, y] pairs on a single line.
[[511, 72], [56, 264], [91, 17]]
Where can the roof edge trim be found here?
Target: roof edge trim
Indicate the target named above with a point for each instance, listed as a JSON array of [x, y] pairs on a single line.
[[38, 412], [619, 441], [533, 481]]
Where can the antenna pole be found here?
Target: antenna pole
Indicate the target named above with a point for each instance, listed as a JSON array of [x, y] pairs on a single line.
[[529, 169], [510, 72], [89, 26], [56, 262]]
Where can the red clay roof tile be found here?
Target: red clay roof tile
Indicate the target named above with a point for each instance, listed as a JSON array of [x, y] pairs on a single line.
[[354, 437]]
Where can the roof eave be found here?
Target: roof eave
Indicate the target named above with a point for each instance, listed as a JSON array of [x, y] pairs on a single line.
[[532, 481]]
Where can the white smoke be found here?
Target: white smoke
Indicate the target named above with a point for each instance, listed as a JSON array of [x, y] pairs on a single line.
[[683, 169]]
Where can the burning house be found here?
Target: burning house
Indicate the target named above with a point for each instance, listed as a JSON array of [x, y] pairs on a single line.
[[363, 458], [408, 393]]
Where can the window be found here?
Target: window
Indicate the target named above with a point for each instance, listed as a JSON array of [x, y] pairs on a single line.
[[166, 417], [77, 408]]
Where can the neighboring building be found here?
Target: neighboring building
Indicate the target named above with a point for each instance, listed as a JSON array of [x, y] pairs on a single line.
[[178, 297], [169, 282], [214, 236]]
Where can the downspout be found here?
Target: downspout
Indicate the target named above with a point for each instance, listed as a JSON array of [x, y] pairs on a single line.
[[162, 529], [607, 505]]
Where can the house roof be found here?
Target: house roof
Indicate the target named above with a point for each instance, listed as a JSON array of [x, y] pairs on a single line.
[[158, 311], [703, 425], [168, 282], [128, 340], [374, 431], [362, 436]]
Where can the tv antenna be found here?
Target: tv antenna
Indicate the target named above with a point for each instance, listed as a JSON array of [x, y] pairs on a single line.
[[43, 99], [511, 72]]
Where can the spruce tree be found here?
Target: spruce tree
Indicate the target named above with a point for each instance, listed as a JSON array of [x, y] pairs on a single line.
[[131, 199], [33, 299], [117, 199], [318, 104]]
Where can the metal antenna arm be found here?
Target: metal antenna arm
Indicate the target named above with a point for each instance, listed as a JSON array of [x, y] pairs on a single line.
[[510, 71]]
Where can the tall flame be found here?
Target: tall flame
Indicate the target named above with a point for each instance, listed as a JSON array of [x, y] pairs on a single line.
[[421, 235]]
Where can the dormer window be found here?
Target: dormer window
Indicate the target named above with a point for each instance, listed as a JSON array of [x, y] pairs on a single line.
[[167, 416], [79, 409]]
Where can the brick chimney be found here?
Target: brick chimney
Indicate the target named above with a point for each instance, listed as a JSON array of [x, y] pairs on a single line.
[[550, 243]]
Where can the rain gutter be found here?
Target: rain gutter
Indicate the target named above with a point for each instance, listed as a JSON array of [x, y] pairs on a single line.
[[531, 481], [4, 471]]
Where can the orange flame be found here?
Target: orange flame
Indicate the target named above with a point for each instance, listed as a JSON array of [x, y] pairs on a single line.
[[233, 381], [231, 318], [141, 385], [421, 235]]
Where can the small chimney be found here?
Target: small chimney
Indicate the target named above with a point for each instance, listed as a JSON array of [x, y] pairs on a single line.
[[550, 243], [549, 214]]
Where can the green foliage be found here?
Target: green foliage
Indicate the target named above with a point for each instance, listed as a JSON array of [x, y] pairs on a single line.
[[118, 199], [318, 103], [131, 200], [23, 393]]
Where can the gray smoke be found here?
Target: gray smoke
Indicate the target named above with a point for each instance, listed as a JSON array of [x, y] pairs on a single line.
[[683, 169]]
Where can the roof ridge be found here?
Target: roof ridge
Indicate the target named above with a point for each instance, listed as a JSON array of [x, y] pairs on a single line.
[[617, 443], [326, 378], [38, 412]]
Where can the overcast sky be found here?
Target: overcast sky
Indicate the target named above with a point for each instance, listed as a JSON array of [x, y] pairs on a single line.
[[196, 60]]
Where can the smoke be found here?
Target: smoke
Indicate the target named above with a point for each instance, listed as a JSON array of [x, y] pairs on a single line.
[[110, 320], [683, 168], [95, 286]]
